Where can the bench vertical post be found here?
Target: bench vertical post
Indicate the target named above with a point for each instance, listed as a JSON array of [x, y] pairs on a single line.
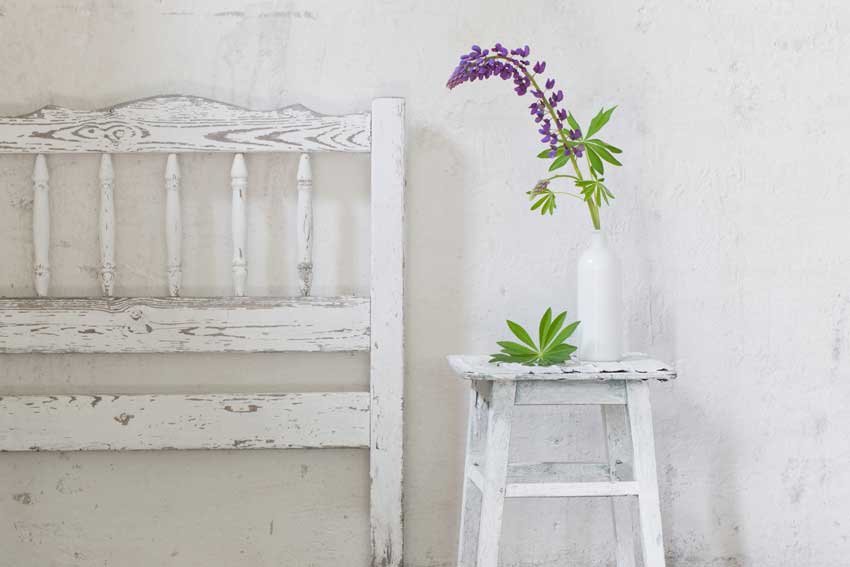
[[387, 331]]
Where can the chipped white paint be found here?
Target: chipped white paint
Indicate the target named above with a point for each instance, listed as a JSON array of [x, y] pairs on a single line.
[[387, 355], [305, 224], [173, 226], [534, 393], [106, 218], [496, 456], [250, 324], [635, 367], [148, 325], [643, 451], [41, 226], [490, 475], [239, 187], [197, 421], [617, 444], [182, 124]]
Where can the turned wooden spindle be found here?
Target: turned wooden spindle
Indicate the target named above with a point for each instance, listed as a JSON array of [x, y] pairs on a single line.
[[239, 185], [107, 225], [305, 224], [41, 226], [173, 226]]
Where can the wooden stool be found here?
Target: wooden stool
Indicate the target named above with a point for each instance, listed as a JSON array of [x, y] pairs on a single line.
[[620, 388]]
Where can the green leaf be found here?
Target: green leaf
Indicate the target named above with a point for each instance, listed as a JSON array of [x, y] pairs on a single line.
[[511, 347], [600, 120], [543, 330], [573, 122], [606, 155], [545, 153], [521, 334], [606, 145], [559, 162], [551, 350], [539, 202], [594, 160]]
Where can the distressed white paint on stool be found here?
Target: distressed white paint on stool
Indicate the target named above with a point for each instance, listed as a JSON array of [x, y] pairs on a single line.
[[239, 186], [41, 226], [305, 224], [107, 225], [613, 388], [173, 226]]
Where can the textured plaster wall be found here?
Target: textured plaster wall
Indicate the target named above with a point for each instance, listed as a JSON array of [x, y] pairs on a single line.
[[730, 220]]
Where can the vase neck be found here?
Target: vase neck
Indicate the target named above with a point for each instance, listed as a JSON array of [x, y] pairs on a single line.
[[597, 239]]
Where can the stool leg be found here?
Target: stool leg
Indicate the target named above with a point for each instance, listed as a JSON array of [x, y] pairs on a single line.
[[470, 515], [643, 448], [496, 470], [617, 435]]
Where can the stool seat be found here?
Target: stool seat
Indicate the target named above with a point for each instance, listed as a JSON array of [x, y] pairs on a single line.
[[620, 388]]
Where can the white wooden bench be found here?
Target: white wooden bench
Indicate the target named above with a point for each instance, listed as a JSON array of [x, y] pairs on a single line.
[[172, 125], [620, 389]]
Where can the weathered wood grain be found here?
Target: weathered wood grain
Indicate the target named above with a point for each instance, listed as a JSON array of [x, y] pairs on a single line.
[[305, 224], [239, 189], [476, 367], [223, 421], [106, 218], [387, 353], [101, 325], [41, 226], [173, 226], [182, 124]]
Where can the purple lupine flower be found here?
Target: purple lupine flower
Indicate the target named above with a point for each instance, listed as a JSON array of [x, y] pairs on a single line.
[[481, 64]]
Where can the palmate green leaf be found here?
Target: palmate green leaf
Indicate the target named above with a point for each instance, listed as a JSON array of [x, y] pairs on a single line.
[[551, 348], [573, 122], [600, 120]]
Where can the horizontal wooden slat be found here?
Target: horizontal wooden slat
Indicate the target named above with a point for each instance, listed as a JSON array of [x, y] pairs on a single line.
[[224, 421], [182, 324], [182, 124], [519, 473], [570, 393], [571, 489]]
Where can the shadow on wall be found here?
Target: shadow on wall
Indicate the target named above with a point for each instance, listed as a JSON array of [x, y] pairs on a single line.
[[436, 211]]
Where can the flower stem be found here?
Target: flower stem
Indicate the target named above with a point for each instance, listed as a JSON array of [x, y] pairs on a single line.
[[594, 210]]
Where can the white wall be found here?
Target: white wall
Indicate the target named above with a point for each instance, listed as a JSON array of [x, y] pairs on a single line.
[[729, 219]]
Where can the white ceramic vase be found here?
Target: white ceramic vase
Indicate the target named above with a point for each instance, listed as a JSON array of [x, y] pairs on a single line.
[[599, 302]]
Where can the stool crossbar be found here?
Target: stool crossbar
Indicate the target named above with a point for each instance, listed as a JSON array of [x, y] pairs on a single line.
[[629, 473]]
